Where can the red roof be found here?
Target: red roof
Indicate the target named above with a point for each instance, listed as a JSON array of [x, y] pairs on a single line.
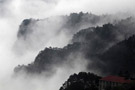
[[116, 79]]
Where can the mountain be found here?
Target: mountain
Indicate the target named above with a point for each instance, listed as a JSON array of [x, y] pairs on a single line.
[[49, 30], [101, 38], [81, 81], [50, 57], [120, 57], [93, 44]]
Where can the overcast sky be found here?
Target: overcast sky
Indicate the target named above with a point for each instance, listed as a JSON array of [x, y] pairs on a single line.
[[44, 8]]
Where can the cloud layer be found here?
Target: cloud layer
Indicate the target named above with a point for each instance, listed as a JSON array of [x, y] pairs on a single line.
[[12, 12]]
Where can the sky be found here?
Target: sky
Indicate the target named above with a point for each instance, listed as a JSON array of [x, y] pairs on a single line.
[[45, 8], [12, 13]]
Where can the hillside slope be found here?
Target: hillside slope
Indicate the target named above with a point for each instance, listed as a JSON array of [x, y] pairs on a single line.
[[94, 44]]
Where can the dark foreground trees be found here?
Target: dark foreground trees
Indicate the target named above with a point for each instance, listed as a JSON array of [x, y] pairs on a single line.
[[81, 81]]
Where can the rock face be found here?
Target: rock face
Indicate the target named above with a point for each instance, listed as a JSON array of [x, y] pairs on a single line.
[[107, 48], [48, 31], [74, 22], [24, 29], [81, 81]]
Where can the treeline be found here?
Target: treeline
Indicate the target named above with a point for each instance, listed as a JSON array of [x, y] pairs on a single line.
[[81, 81], [100, 46]]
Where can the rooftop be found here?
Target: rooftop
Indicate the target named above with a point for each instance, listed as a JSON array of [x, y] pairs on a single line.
[[116, 79]]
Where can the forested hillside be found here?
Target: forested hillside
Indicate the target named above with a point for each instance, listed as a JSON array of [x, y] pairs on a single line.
[[95, 45]]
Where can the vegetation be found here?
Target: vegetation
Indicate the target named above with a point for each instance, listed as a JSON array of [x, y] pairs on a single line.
[[81, 81], [97, 44], [109, 48]]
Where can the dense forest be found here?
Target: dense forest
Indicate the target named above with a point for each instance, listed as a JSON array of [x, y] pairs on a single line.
[[94, 43], [108, 49], [81, 81], [33, 30], [90, 81]]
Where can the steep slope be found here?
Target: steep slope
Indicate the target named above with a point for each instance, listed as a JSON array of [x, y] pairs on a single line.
[[48, 31], [92, 43], [120, 57], [101, 38], [51, 57]]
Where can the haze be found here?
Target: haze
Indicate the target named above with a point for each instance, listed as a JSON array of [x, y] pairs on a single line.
[[12, 12]]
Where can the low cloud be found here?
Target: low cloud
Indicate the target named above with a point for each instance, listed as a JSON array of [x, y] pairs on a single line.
[[12, 12]]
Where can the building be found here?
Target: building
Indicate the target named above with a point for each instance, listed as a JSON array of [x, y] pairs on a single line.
[[112, 81]]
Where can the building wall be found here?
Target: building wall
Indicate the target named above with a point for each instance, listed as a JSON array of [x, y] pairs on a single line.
[[104, 84]]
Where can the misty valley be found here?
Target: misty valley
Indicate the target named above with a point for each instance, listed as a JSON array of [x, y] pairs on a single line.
[[81, 50]]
